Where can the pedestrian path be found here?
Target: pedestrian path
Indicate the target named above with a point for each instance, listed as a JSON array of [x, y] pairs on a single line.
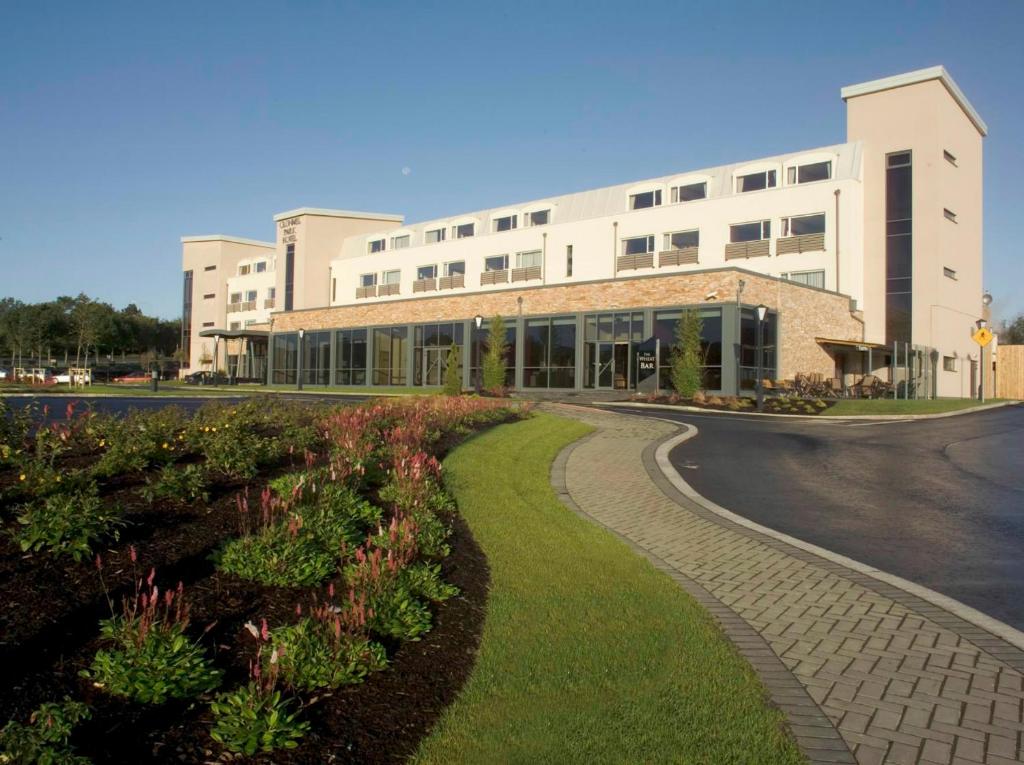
[[865, 671]]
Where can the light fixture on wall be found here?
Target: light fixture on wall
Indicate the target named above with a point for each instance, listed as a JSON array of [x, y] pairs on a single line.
[[478, 320], [762, 311]]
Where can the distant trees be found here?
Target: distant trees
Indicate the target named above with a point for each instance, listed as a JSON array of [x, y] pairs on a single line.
[[78, 328], [1012, 332]]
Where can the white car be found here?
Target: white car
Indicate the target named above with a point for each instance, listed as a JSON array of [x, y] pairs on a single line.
[[80, 378]]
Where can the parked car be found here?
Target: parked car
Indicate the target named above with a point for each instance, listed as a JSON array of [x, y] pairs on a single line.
[[133, 377], [80, 378], [206, 378]]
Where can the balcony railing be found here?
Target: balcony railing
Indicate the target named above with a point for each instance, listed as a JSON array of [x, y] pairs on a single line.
[[366, 292], [499, 276], [756, 249], [247, 305], [526, 274], [800, 243], [387, 289], [452, 282], [268, 303], [425, 285], [633, 262], [683, 257]]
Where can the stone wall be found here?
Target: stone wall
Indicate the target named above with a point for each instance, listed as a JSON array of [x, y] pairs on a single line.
[[805, 312]]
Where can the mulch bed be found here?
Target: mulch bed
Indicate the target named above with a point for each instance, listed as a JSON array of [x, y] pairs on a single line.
[[728, 404], [49, 632]]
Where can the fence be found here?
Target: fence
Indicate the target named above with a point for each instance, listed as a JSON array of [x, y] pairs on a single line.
[[1010, 371]]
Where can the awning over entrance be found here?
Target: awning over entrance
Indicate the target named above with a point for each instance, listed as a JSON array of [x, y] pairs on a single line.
[[859, 345], [235, 334]]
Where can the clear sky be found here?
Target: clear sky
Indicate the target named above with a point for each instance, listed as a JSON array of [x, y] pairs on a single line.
[[124, 126]]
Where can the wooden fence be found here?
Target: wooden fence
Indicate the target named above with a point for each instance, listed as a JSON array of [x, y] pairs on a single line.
[[1010, 371]]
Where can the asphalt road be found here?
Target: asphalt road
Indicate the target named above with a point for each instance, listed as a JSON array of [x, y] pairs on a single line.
[[939, 502]]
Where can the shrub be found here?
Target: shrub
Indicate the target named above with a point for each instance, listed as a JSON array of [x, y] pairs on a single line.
[[45, 739], [187, 483], [453, 372], [494, 356], [318, 652], [253, 719], [67, 523], [141, 439], [687, 358], [336, 514], [153, 659], [283, 555], [392, 607], [424, 580]]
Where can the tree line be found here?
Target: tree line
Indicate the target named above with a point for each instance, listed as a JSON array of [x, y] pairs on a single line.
[[76, 330]]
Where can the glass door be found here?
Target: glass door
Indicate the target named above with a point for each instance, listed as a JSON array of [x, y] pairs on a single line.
[[605, 364], [433, 365], [620, 357]]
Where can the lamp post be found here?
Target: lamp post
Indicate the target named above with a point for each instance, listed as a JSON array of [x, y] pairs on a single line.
[[298, 363], [761, 311], [986, 301], [478, 321]]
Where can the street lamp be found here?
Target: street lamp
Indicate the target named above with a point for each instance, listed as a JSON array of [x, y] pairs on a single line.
[[478, 320], [762, 310], [298, 362]]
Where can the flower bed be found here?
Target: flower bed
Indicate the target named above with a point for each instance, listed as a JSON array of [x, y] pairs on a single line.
[[269, 579], [774, 404]]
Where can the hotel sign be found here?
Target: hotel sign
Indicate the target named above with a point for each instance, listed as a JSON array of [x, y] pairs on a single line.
[[645, 366], [288, 228]]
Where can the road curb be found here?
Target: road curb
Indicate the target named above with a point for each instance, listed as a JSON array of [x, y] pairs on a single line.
[[972, 616], [810, 418]]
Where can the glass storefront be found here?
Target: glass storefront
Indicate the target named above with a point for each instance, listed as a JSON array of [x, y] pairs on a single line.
[[549, 353], [608, 340], [285, 358], [483, 336], [389, 350], [431, 345], [316, 358], [748, 348], [665, 325], [350, 357]]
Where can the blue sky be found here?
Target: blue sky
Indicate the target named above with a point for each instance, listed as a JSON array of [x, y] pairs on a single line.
[[124, 126]]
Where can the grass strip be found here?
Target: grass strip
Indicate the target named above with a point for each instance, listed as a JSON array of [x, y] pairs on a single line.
[[860, 406], [589, 654]]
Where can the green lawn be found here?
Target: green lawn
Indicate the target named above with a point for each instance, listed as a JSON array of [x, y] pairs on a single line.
[[589, 654], [890, 406]]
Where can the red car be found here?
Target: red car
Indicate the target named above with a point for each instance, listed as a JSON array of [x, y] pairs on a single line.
[[133, 377]]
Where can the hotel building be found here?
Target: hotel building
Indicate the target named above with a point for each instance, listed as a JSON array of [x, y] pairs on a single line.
[[867, 255]]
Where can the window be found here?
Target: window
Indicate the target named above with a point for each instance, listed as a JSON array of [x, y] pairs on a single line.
[[426, 272], [271, 293], [455, 267], [950, 215], [463, 231], [750, 232], [816, 171], [899, 265], [549, 358], [689, 192], [210, 268], [285, 356], [289, 278], [496, 263], [810, 278], [236, 297], [389, 349], [334, 289], [261, 267], [367, 280], [756, 181], [250, 295], [391, 277], [433, 236], [207, 323], [186, 318], [400, 242], [506, 223], [645, 199], [949, 157], [665, 325], [803, 224], [638, 245], [249, 322], [430, 346], [234, 326], [209, 296], [350, 357], [680, 240], [316, 357], [568, 260], [537, 218], [375, 245], [528, 259], [748, 347], [243, 270], [949, 273], [949, 363], [480, 344]]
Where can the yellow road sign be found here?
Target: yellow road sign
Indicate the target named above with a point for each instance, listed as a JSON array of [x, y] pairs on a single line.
[[983, 336]]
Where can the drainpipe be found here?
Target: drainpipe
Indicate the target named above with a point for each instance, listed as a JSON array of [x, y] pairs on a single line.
[[544, 258], [615, 248], [837, 192]]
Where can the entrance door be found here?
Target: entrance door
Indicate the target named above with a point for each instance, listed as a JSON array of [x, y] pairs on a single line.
[[612, 366], [621, 358], [434, 365]]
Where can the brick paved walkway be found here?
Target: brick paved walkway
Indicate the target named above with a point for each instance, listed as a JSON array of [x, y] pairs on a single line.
[[900, 679]]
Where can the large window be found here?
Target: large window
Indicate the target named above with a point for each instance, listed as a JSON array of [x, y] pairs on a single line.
[[261, 267], [898, 247], [391, 277], [316, 358], [463, 231], [496, 263], [528, 259], [803, 224], [756, 181], [350, 357], [750, 232], [431, 344], [665, 324], [285, 359], [426, 272], [689, 192], [186, 320], [815, 171], [748, 348], [507, 223], [680, 240], [389, 347], [455, 268], [375, 245], [480, 338], [607, 353], [645, 199], [250, 296], [433, 236], [289, 278], [810, 278], [638, 245], [367, 280], [549, 359], [537, 218], [400, 242]]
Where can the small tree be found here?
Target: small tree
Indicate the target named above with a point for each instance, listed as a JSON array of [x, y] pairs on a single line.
[[494, 358], [452, 373], [687, 358]]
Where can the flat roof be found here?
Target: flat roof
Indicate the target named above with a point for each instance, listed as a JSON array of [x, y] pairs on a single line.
[[339, 214], [234, 334], [225, 238], [912, 78]]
